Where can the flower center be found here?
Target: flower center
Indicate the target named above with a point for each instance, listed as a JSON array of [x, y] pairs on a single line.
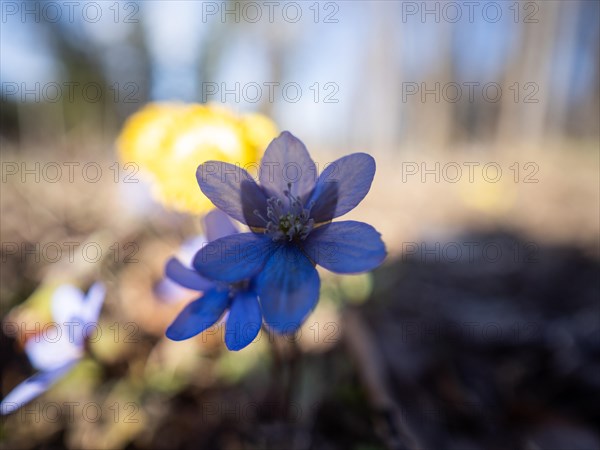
[[238, 286], [287, 222]]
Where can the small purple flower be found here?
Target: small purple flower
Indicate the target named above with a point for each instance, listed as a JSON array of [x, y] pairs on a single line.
[[289, 214], [239, 298], [75, 316]]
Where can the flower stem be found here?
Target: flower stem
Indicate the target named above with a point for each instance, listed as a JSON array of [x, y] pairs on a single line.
[[285, 372]]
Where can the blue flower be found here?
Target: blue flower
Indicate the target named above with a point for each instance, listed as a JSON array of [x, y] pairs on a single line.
[[75, 316], [239, 298], [289, 213]]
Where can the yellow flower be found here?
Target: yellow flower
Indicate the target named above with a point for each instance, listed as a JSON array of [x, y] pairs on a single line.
[[169, 141]]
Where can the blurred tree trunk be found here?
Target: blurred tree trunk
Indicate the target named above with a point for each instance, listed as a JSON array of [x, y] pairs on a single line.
[[383, 74], [559, 107], [527, 122]]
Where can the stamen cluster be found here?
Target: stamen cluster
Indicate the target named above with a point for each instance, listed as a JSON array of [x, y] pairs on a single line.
[[287, 222]]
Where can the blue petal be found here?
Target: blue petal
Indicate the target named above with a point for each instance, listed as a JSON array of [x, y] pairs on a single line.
[[31, 388], [234, 258], [199, 315], [57, 346], [185, 277], [188, 249], [244, 321], [286, 160], [342, 186], [67, 303], [346, 247], [288, 289], [93, 302], [217, 225], [232, 190]]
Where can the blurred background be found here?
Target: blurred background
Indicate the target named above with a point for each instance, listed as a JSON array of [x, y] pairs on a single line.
[[480, 331]]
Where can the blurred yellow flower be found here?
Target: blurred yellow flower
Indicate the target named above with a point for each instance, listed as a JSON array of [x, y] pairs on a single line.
[[168, 141]]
